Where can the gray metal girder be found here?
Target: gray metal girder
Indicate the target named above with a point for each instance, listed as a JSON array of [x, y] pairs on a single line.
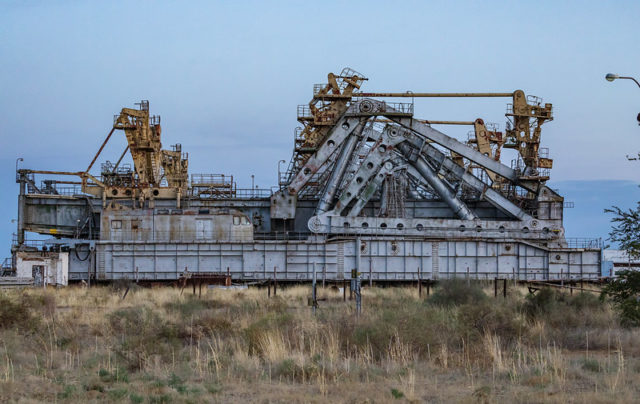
[[462, 149], [431, 176], [488, 193], [443, 228], [339, 169], [363, 183], [335, 138]]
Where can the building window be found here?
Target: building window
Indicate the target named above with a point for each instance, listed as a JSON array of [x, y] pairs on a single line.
[[116, 224]]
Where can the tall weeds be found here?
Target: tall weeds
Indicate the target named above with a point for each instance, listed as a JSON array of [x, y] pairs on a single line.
[[161, 345]]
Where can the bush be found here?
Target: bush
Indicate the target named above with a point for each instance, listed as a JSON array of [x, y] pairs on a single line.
[[475, 320], [190, 305], [541, 303], [625, 293], [257, 330], [143, 333], [26, 311], [457, 292]]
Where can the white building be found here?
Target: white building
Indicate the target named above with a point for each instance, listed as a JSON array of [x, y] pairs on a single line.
[[618, 260], [44, 267]]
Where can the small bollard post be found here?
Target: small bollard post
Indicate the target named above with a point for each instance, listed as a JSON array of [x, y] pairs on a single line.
[[419, 284], [324, 276], [495, 287], [358, 295], [275, 282], [314, 299], [356, 281], [344, 290], [428, 288], [269, 288], [351, 287], [504, 291]]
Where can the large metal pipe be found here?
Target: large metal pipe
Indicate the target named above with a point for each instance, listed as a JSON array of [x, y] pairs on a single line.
[[21, 202], [100, 150], [338, 171], [409, 94], [459, 208]]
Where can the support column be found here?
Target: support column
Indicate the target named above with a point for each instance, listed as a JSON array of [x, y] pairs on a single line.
[[459, 208], [21, 202], [339, 168]]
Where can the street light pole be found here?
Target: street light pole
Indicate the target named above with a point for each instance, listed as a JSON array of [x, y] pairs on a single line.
[[280, 162], [21, 203], [613, 76]]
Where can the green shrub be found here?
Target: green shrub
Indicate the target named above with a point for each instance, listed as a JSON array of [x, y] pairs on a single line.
[[287, 369], [541, 303], [161, 399], [68, 392], [143, 333], [117, 394], [135, 398], [254, 333], [456, 292], [26, 311], [624, 291], [493, 317], [591, 365], [397, 394], [191, 305]]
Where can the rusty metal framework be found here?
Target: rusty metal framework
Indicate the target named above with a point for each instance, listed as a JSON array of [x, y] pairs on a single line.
[[364, 170]]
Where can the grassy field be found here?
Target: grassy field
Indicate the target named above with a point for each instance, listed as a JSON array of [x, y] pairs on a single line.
[[459, 345]]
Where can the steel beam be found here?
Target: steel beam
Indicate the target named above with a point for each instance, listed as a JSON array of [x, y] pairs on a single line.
[[462, 149], [488, 193], [339, 168], [459, 208], [335, 138]]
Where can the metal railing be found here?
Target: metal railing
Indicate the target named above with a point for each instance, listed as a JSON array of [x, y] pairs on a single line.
[[583, 242], [304, 112], [398, 107], [543, 152], [317, 88], [213, 180], [258, 193], [28, 243], [8, 268]]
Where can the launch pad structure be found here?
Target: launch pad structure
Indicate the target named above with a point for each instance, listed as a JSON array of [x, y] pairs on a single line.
[[369, 187]]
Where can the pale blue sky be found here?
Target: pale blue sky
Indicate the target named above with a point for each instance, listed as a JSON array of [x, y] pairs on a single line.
[[227, 76]]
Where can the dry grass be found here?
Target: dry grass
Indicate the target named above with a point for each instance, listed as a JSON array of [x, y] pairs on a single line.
[[78, 344]]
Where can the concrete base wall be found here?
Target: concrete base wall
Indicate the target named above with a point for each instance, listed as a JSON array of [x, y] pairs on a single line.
[[375, 258]]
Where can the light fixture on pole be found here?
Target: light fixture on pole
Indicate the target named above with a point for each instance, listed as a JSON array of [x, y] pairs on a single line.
[[613, 76], [280, 179]]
